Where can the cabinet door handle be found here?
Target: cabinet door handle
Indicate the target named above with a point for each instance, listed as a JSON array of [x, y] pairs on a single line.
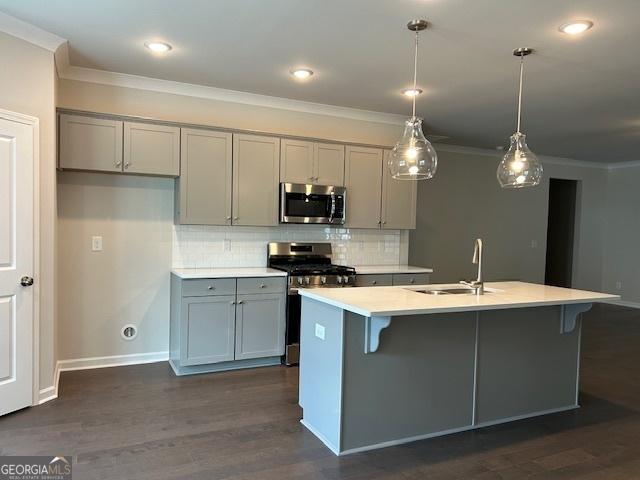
[[240, 302], [211, 287], [126, 165], [375, 282], [228, 218], [262, 285], [118, 163], [412, 280], [232, 303], [235, 218]]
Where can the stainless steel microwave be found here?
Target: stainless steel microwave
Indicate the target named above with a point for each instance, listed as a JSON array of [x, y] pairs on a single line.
[[300, 203]]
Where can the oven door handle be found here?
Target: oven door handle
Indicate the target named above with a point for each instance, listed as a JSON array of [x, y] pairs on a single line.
[[333, 207]]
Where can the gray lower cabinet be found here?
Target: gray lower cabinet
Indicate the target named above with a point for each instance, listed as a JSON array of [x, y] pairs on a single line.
[[207, 329], [410, 278], [226, 323], [375, 280], [387, 279], [259, 329]]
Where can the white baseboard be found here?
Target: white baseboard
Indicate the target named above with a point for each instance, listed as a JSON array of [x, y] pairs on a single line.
[[112, 361], [51, 393], [623, 303]]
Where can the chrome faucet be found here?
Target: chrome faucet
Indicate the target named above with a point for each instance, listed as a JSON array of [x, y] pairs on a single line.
[[478, 284]]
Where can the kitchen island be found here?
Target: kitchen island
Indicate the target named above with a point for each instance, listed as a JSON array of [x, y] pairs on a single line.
[[382, 366]]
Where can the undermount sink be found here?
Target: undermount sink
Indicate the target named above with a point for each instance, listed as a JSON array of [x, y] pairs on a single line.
[[450, 291]]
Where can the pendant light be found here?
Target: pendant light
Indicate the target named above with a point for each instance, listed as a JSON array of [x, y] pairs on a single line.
[[519, 167], [413, 157]]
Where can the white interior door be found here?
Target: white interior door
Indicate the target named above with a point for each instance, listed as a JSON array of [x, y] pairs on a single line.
[[16, 262]]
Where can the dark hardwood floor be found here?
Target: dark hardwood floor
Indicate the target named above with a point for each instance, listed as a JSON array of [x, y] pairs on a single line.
[[142, 422]]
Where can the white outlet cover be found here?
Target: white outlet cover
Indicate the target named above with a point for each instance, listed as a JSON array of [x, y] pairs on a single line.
[[320, 331], [96, 244]]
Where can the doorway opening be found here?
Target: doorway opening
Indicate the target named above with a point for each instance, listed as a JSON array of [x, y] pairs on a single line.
[[561, 232]]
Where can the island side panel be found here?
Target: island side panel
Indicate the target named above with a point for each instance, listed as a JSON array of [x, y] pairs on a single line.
[[321, 370], [525, 365], [419, 382]]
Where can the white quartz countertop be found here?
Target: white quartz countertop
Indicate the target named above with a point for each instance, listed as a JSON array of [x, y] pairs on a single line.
[[382, 269], [243, 272], [391, 301]]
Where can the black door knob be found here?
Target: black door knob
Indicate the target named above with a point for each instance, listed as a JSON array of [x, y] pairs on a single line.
[[26, 281]]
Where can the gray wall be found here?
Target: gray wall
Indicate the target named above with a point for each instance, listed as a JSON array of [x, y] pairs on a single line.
[[464, 201], [621, 261]]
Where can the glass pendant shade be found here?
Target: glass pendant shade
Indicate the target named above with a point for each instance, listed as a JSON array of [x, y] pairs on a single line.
[[413, 157], [519, 167]]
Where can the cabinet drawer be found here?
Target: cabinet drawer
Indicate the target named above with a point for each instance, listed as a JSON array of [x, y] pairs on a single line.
[[374, 280], [411, 279], [261, 285], [208, 286]]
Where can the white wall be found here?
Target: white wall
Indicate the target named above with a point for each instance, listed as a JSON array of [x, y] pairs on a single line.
[[621, 262], [128, 282], [464, 202], [27, 85]]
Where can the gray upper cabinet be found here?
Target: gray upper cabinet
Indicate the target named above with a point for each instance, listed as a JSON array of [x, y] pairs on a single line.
[[329, 164], [208, 330], [363, 179], [151, 149], [256, 162], [398, 200], [296, 161], [309, 162], [260, 324], [88, 143], [204, 188]]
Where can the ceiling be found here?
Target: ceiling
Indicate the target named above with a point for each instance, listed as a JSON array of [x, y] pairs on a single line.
[[581, 95]]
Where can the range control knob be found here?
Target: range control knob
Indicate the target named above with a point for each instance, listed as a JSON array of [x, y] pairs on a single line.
[[323, 280], [339, 279], [345, 279], [300, 280], [307, 280]]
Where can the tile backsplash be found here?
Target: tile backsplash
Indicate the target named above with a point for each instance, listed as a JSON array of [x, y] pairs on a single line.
[[201, 246]]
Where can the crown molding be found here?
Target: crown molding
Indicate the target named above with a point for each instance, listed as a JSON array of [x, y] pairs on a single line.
[[72, 72], [29, 33], [545, 159], [619, 165]]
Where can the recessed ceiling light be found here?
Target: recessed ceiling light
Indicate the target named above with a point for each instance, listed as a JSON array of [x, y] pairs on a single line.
[[575, 28], [302, 73], [158, 47], [411, 92]]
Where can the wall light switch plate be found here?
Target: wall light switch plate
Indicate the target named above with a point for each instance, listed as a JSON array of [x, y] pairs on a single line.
[[534, 243], [618, 285], [96, 244], [320, 331]]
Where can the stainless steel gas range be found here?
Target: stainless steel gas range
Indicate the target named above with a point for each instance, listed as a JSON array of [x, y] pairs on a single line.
[[308, 265]]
